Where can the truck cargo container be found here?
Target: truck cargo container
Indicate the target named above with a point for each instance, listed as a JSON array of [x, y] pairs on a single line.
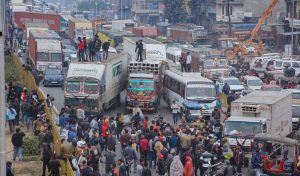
[[145, 31], [96, 87], [44, 49], [259, 112], [153, 50], [80, 28], [52, 20]]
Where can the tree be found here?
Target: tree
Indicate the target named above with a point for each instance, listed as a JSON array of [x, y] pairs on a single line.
[[175, 11], [198, 8]]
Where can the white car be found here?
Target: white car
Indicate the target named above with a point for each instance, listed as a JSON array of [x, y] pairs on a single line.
[[252, 83], [234, 84]]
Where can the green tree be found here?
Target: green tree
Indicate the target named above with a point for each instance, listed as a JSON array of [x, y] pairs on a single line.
[[198, 8], [175, 11]]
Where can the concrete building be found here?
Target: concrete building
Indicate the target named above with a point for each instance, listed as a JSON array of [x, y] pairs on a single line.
[[148, 11], [249, 11]]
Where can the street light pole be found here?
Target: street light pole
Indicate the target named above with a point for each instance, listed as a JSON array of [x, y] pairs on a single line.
[[229, 18], [292, 14], [2, 90]]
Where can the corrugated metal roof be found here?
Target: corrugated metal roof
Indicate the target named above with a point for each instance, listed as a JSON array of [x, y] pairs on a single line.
[[44, 34], [47, 46], [263, 97]]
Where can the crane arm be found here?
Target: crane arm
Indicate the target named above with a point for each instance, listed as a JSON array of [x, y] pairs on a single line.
[[263, 18]]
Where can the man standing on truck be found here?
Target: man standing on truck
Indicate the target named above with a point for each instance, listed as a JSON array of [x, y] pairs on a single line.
[[189, 62], [80, 49], [182, 61], [175, 109], [105, 48], [139, 48], [97, 47]]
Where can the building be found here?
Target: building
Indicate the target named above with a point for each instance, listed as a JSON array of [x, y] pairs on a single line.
[[148, 11], [249, 11], [125, 9]]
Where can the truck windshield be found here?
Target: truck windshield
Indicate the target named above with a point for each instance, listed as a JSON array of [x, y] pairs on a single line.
[[43, 56], [200, 91], [139, 85], [56, 57], [91, 87], [255, 83], [295, 111], [242, 128], [73, 86]]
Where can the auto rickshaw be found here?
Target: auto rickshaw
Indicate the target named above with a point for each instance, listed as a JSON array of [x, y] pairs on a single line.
[[279, 154]]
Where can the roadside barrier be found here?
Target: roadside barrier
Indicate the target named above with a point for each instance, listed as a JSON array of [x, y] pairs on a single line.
[[28, 80]]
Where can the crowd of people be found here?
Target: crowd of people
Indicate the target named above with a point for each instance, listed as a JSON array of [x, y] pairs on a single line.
[[139, 146], [26, 109], [91, 50]]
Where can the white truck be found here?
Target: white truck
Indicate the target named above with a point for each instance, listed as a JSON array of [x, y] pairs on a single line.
[[153, 49], [259, 112], [96, 86]]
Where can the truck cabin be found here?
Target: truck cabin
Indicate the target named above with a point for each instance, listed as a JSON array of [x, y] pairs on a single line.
[[278, 153], [84, 85], [141, 84], [214, 67]]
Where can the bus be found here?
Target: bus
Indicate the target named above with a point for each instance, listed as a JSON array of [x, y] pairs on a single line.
[[173, 55], [191, 91]]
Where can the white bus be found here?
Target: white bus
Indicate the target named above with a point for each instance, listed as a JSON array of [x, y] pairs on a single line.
[[191, 91], [173, 55]]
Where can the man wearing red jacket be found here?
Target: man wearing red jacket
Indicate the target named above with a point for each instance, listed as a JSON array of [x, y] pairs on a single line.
[[80, 49], [144, 147]]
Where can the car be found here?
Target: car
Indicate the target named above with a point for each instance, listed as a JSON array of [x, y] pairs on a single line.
[[69, 56], [70, 47], [53, 76], [270, 87], [233, 82], [252, 83]]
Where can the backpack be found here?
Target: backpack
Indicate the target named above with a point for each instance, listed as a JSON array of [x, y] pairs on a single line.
[[146, 171]]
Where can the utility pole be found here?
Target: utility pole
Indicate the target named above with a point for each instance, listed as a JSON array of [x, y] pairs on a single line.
[[229, 18], [2, 90], [292, 18]]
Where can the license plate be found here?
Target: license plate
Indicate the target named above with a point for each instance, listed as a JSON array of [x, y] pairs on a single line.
[[54, 82]]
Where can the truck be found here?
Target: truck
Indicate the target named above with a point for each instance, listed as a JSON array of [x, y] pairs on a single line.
[[259, 112], [144, 85], [96, 87], [153, 50], [44, 49], [80, 28]]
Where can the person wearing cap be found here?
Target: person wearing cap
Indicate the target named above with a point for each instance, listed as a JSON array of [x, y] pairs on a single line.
[[105, 48]]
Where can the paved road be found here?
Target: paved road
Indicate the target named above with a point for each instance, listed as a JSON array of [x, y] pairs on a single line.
[[58, 95]]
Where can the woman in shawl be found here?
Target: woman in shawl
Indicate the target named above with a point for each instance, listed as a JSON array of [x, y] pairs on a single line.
[[176, 167]]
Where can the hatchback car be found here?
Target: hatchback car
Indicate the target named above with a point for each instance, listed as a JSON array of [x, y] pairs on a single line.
[[53, 76]]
